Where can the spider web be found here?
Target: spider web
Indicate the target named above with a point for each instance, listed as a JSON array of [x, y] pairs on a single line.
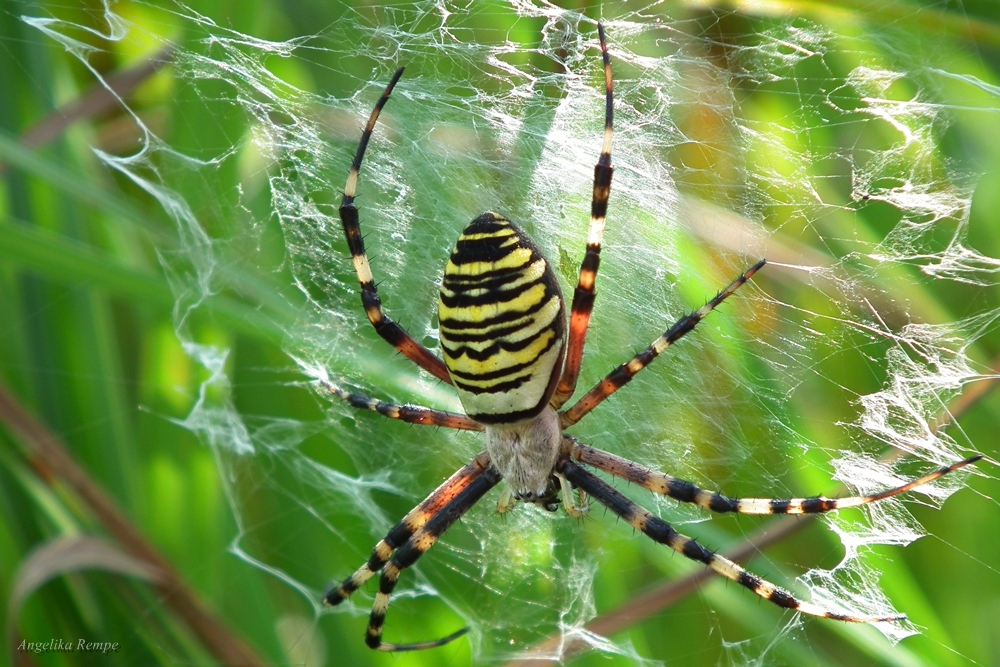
[[501, 108]]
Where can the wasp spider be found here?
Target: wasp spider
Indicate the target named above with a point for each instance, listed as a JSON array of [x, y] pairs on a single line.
[[514, 363]]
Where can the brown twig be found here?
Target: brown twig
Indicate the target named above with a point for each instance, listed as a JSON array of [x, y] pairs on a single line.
[[99, 99], [53, 462]]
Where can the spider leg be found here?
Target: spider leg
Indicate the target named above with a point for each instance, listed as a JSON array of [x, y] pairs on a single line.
[[583, 297], [413, 414], [384, 326], [684, 491], [419, 542], [417, 518], [622, 375], [662, 532]]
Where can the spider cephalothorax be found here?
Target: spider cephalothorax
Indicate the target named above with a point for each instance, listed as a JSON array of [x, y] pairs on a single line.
[[514, 362]]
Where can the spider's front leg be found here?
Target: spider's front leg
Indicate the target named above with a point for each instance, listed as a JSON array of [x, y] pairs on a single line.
[[422, 540], [413, 521], [662, 532], [409, 539], [685, 491]]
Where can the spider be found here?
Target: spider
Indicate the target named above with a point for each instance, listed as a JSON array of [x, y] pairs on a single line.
[[515, 363]]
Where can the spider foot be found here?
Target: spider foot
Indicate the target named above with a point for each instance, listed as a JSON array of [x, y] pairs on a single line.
[[376, 643], [334, 596]]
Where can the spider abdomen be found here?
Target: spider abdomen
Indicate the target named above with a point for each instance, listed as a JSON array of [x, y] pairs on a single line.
[[502, 322]]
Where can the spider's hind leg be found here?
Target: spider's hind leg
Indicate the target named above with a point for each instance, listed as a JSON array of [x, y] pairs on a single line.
[[622, 375], [384, 326], [413, 414], [583, 296]]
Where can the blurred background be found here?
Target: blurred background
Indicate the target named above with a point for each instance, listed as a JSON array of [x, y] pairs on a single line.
[[174, 282]]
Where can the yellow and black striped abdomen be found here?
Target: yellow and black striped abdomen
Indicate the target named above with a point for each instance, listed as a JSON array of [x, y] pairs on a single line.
[[502, 322]]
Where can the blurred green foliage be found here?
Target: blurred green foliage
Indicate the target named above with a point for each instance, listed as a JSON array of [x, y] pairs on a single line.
[[87, 342]]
